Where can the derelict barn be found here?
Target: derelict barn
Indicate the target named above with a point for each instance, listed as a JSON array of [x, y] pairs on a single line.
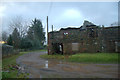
[[88, 38]]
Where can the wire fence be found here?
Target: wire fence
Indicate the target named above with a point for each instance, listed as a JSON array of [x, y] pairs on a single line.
[[8, 50]]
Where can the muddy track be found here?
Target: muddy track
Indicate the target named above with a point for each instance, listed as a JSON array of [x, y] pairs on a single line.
[[41, 68]]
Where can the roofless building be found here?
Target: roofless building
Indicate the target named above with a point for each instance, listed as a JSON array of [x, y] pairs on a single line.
[[88, 38]]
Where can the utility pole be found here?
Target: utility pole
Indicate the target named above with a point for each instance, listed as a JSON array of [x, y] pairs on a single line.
[[52, 32], [52, 28], [47, 37]]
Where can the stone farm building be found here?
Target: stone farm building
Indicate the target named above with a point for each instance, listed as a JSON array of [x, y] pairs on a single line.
[[88, 38]]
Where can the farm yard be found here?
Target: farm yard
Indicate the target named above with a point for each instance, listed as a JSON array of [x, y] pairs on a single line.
[[57, 66], [37, 64], [50, 40]]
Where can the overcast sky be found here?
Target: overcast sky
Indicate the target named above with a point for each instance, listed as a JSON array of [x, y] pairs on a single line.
[[61, 14]]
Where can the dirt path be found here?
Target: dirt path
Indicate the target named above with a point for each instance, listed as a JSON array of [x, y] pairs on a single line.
[[42, 68]]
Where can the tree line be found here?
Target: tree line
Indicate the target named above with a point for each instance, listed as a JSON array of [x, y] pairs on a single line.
[[26, 36]]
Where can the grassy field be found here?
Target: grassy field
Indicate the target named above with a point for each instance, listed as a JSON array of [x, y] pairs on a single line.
[[9, 61], [86, 57]]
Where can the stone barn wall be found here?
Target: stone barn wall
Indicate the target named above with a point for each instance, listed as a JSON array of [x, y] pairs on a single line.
[[110, 37], [92, 39]]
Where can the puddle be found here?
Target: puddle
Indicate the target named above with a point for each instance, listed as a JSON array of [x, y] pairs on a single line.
[[46, 64], [68, 69], [40, 76]]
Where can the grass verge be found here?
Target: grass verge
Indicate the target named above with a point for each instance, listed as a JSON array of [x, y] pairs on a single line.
[[86, 57], [8, 62]]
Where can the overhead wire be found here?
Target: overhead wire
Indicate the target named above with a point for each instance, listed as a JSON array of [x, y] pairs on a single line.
[[50, 8], [49, 11]]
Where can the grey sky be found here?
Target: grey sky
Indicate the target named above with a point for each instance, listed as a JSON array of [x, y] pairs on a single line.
[[61, 14]]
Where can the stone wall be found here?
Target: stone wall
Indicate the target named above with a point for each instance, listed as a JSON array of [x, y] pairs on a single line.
[[90, 40]]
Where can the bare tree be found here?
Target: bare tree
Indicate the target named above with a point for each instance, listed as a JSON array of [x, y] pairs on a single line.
[[20, 24]]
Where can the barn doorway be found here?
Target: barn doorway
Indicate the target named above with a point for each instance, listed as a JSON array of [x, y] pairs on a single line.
[[57, 48]]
